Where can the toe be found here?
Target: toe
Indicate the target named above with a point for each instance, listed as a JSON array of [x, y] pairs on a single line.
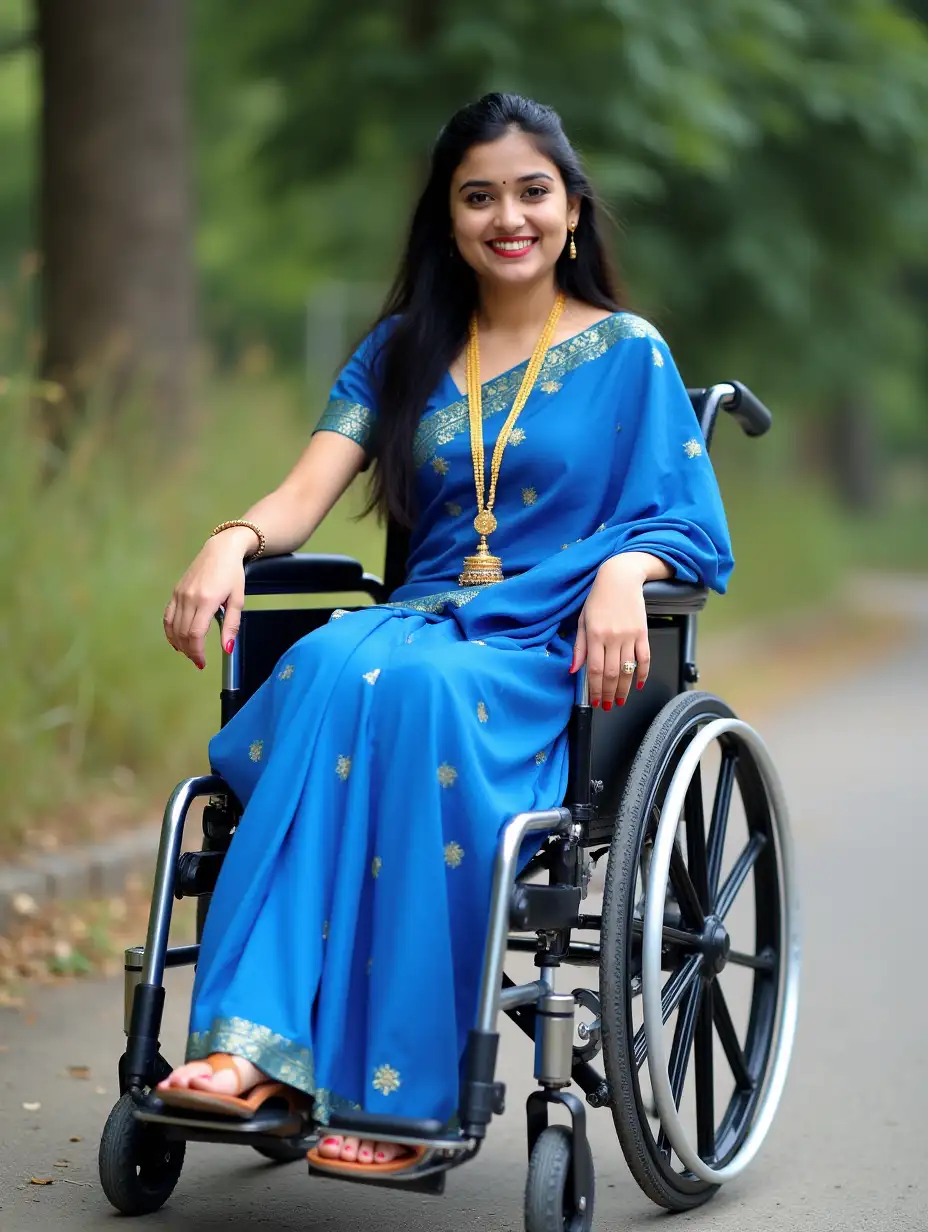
[[331, 1148], [366, 1152], [182, 1077], [350, 1149], [385, 1151]]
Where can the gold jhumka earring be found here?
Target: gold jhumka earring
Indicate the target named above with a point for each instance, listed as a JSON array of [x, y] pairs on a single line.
[[573, 246]]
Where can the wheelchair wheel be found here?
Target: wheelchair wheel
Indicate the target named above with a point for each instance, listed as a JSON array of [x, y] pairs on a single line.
[[139, 1166], [549, 1197], [665, 972]]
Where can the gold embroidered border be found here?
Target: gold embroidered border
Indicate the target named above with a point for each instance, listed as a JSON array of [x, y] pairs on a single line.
[[498, 395], [436, 603], [349, 418], [276, 1055]]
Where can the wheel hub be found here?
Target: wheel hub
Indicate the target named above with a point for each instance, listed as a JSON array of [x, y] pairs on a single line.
[[715, 945]]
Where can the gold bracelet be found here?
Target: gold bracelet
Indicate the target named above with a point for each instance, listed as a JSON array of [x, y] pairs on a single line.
[[262, 541]]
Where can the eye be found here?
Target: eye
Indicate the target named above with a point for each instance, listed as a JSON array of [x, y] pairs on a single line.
[[478, 198], [536, 191]]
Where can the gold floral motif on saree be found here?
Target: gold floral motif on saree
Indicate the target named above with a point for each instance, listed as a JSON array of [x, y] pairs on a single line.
[[376, 866], [516, 436], [343, 767], [286, 672], [692, 448], [447, 775], [386, 1079], [454, 854], [529, 496], [482, 713], [540, 758], [454, 509], [256, 750], [371, 677]]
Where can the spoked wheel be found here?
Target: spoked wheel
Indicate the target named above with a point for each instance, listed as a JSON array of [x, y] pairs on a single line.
[[550, 1204], [700, 955]]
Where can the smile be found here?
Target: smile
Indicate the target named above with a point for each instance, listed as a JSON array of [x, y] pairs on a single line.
[[518, 246]]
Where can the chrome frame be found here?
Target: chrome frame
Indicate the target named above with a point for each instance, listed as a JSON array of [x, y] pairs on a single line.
[[504, 871], [652, 941], [162, 901]]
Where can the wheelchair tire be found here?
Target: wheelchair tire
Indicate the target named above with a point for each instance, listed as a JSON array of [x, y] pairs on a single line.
[[649, 1155], [549, 1199], [283, 1152], [138, 1165]]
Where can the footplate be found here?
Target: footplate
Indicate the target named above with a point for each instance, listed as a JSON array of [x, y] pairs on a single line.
[[268, 1125]]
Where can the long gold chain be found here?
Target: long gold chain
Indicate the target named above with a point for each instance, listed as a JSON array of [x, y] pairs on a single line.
[[483, 567]]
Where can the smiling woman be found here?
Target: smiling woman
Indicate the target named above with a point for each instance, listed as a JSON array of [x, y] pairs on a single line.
[[384, 753]]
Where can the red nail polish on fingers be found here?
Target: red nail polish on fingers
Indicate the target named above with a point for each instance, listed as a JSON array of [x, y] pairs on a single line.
[[640, 684], [201, 666], [620, 701], [595, 701], [229, 645], [607, 705]]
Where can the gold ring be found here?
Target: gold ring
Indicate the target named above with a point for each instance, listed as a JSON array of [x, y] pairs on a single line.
[[628, 668]]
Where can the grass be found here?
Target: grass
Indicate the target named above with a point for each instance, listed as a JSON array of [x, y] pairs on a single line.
[[98, 719]]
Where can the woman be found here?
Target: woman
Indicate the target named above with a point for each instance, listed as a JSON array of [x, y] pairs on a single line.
[[342, 951]]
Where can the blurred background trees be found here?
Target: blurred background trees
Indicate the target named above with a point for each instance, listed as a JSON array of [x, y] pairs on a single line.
[[185, 179]]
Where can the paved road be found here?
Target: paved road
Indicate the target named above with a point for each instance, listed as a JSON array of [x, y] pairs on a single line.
[[848, 1149]]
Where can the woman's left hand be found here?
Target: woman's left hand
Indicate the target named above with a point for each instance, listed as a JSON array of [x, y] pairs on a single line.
[[613, 627]]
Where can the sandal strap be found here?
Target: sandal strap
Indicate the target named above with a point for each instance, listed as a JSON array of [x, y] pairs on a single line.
[[222, 1060]]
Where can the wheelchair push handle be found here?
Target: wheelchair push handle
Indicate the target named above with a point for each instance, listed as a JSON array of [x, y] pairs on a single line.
[[748, 409]]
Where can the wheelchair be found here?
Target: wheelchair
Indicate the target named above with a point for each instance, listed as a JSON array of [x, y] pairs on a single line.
[[640, 778]]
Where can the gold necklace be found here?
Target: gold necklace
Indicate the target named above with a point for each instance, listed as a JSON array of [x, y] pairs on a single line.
[[482, 568]]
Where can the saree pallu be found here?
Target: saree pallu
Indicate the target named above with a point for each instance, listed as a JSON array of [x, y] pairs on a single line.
[[344, 943]]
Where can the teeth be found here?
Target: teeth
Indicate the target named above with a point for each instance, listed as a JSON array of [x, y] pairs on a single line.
[[512, 245]]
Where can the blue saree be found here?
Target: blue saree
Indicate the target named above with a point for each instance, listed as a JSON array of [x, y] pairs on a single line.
[[343, 946]]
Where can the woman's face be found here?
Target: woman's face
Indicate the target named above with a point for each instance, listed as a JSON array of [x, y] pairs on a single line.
[[510, 211]]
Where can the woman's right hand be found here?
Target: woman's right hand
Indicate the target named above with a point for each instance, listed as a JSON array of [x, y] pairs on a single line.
[[215, 579]]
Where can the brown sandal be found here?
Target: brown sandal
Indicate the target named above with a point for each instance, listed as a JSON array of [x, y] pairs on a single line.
[[401, 1164], [243, 1107]]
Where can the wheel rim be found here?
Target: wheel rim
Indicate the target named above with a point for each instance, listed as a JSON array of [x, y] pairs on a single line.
[[702, 1005]]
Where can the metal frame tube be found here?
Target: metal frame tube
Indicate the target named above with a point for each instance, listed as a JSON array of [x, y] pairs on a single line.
[[521, 994], [162, 900], [504, 871], [652, 941]]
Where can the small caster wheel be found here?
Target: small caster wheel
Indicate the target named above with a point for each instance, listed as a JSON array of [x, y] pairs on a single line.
[[549, 1190], [139, 1166], [283, 1152]]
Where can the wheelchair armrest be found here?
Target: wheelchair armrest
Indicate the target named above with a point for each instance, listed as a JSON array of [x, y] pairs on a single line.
[[310, 573], [672, 598]]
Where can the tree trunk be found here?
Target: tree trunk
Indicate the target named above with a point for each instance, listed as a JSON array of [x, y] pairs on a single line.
[[856, 455], [115, 210]]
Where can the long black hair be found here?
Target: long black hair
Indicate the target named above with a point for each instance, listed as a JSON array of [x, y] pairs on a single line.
[[435, 291]]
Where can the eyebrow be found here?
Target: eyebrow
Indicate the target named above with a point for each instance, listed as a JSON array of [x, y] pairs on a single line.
[[523, 179]]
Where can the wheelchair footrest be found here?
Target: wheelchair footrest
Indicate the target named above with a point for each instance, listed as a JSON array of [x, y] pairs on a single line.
[[397, 1129], [267, 1123]]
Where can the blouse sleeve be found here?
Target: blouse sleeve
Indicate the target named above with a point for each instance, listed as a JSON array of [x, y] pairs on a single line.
[[670, 505], [350, 409]]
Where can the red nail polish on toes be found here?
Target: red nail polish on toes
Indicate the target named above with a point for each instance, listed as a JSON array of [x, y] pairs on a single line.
[[330, 1142]]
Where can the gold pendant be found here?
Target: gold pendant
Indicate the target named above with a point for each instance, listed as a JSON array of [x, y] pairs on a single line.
[[484, 523], [482, 568]]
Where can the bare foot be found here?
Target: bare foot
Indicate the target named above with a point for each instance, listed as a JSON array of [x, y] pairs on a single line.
[[362, 1150], [199, 1076]]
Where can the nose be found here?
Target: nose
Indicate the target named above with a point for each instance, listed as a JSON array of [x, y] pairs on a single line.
[[509, 213]]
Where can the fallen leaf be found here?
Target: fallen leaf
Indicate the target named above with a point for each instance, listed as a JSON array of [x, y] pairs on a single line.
[[62, 1163], [42, 1180], [75, 1139], [78, 1071], [32, 1107]]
